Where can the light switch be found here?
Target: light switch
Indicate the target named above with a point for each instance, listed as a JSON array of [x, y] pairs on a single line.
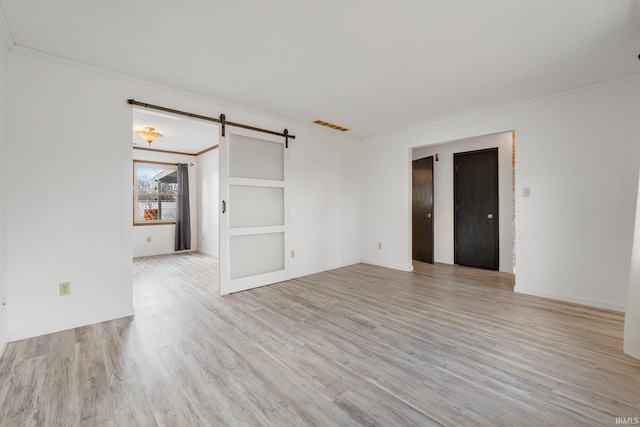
[[526, 192]]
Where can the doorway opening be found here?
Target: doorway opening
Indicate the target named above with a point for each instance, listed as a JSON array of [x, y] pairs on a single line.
[[252, 245], [443, 210], [186, 141]]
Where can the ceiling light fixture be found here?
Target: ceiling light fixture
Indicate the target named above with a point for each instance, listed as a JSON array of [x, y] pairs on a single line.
[[149, 134]]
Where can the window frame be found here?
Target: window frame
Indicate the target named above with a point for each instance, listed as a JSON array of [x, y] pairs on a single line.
[[152, 165]]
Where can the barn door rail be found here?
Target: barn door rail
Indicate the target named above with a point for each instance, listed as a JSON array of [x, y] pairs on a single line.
[[222, 120]]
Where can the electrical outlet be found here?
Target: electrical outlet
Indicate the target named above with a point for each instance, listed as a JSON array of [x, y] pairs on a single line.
[[65, 288], [203, 237], [379, 245], [293, 254], [148, 239]]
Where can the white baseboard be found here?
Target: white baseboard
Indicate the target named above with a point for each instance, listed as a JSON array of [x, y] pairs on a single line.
[[631, 350], [572, 299], [63, 325], [407, 268], [296, 274]]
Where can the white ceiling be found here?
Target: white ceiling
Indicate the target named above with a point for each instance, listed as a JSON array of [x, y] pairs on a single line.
[[369, 65]]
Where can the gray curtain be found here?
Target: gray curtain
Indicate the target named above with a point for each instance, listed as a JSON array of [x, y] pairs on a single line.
[[183, 216]]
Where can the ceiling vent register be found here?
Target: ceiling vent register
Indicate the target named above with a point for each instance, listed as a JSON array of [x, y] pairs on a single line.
[[330, 125]]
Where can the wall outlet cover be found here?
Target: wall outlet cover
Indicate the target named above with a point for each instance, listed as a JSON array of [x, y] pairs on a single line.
[[65, 288]]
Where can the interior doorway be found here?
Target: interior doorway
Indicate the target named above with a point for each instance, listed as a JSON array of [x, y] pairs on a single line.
[[183, 140], [443, 195], [251, 173]]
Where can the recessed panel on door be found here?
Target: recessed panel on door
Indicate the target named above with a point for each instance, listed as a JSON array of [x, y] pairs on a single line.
[[256, 206], [255, 254], [256, 158]]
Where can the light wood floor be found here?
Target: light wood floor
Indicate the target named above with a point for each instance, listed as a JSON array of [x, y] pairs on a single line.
[[360, 345]]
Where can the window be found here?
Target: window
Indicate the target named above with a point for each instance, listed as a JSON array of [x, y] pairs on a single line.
[[155, 193]]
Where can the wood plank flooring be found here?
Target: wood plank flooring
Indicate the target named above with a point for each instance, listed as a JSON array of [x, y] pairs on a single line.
[[360, 345]]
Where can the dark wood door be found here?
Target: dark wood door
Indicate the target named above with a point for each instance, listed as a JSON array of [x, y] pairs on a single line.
[[476, 208], [422, 210]]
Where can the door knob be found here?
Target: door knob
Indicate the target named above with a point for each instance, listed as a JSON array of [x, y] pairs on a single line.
[[429, 215], [490, 216]]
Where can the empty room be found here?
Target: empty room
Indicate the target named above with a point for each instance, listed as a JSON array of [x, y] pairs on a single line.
[[319, 213]]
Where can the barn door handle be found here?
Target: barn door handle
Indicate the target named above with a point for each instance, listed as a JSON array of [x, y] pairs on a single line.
[[429, 215], [490, 216], [224, 206]]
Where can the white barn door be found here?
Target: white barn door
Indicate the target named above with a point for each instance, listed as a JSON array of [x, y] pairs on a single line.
[[253, 238]]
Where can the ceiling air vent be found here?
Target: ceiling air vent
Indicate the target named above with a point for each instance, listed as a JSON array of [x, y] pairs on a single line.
[[330, 125]]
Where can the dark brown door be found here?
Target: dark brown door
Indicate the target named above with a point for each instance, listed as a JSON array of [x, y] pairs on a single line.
[[422, 209], [476, 208]]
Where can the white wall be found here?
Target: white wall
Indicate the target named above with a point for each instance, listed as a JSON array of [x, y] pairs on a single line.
[[324, 200], [4, 56], [66, 198], [208, 211], [443, 219], [579, 154], [69, 138], [163, 236]]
